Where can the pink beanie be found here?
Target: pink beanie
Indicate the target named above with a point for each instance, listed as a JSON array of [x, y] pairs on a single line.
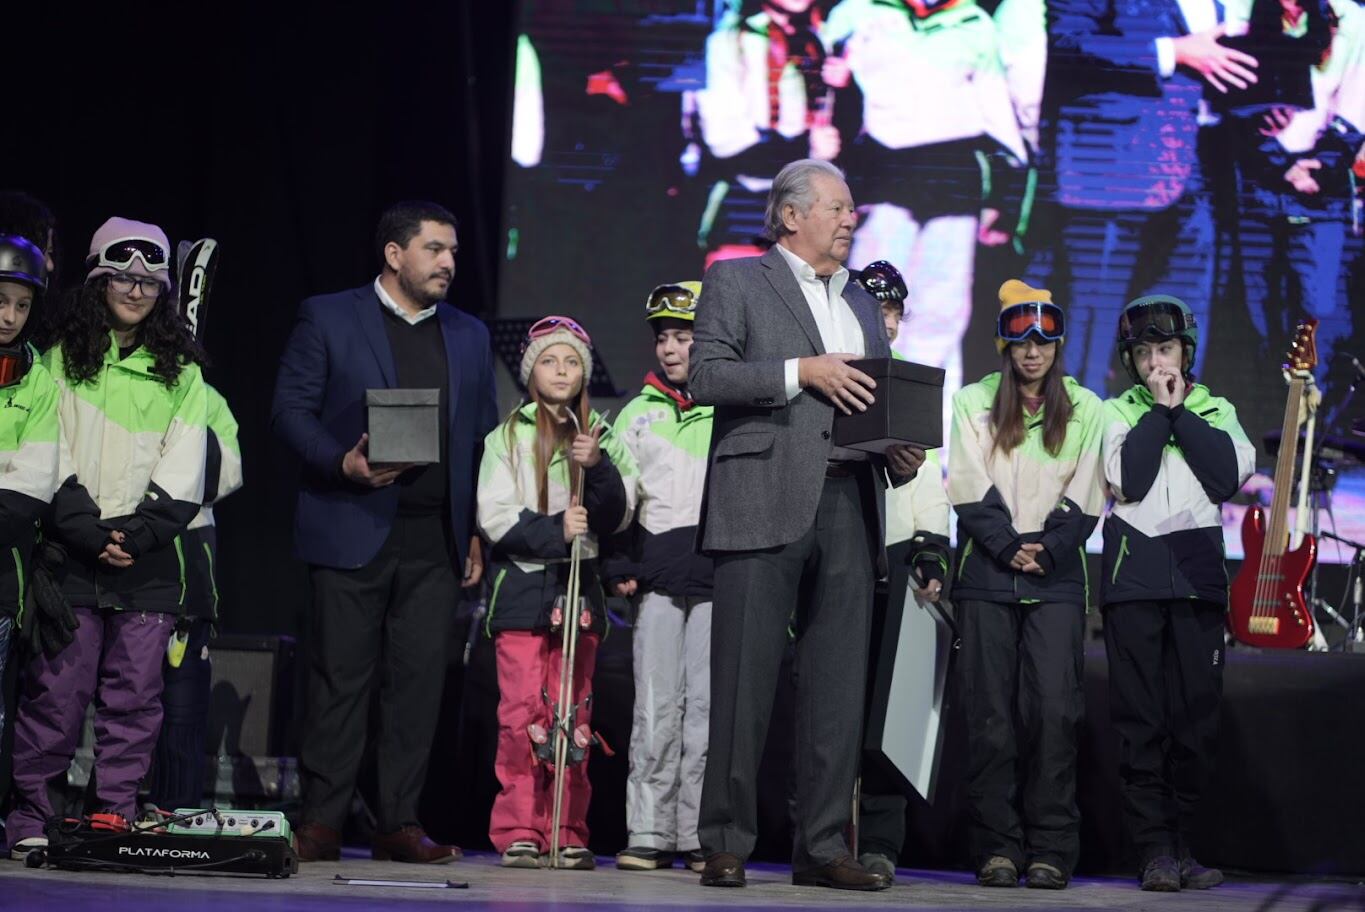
[[122, 229]]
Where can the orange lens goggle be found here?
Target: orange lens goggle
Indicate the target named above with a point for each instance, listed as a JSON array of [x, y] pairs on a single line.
[[1039, 318]]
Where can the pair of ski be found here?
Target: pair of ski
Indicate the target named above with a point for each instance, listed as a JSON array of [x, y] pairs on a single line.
[[567, 743], [197, 264]]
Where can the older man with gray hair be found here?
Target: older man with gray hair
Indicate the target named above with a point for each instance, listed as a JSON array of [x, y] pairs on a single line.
[[794, 522]]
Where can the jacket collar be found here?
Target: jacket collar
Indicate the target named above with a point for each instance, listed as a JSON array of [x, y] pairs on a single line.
[[656, 386], [139, 360]]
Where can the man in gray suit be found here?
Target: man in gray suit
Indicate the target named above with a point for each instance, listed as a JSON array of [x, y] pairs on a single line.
[[793, 522]]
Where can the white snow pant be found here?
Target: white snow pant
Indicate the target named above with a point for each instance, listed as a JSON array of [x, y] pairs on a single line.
[[668, 739]]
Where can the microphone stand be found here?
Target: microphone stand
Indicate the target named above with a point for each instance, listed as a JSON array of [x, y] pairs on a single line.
[[1354, 594]]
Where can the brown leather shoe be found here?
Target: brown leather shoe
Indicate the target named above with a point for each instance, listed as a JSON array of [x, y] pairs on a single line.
[[723, 870], [315, 842], [411, 844], [842, 874]]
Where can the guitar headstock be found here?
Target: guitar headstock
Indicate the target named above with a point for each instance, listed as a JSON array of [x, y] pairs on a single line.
[[1302, 356]]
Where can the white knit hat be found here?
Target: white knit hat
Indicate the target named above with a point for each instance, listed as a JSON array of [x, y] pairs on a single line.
[[536, 347]]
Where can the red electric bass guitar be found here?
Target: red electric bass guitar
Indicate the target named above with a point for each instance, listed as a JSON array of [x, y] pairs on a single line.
[[1266, 604]]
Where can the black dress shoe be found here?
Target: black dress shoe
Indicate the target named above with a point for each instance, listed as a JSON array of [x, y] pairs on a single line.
[[723, 870], [843, 874]]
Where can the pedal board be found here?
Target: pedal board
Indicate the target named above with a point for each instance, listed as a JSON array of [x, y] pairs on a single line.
[[230, 822], [167, 852]]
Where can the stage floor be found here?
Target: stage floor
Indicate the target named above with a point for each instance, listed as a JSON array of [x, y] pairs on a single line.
[[492, 887]]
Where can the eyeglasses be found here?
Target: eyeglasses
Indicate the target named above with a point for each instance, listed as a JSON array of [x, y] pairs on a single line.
[[1158, 317], [671, 299], [124, 283], [1041, 318], [546, 325], [120, 254]]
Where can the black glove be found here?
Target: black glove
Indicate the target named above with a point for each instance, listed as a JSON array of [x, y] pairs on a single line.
[[49, 623], [929, 569]]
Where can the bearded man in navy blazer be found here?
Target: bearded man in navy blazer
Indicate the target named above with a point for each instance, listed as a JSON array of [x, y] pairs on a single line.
[[382, 541]]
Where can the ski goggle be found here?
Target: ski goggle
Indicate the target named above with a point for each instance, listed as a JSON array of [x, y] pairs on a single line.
[[1156, 317], [120, 254], [546, 325], [674, 298], [1032, 318]]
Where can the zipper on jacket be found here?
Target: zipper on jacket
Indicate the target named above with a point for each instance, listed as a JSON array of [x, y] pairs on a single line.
[[1085, 575], [1123, 552], [19, 571], [213, 582], [493, 602], [180, 558], [962, 564], [1166, 493]]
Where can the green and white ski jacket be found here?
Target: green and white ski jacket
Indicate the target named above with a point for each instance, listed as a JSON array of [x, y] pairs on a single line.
[[132, 459], [1169, 471], [1028, 495], [917, 521], [28, 475], [222, 476], [530, 559], [669, 436]]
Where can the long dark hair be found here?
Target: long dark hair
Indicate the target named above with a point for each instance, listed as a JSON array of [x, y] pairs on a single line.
[[1007, 411], [552, 436], [84, 334]]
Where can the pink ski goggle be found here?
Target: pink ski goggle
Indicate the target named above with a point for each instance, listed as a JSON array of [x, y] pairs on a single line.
[[546, 325]]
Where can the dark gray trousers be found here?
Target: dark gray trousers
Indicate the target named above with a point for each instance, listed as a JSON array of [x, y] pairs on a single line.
[[385, 625], [823, 582]]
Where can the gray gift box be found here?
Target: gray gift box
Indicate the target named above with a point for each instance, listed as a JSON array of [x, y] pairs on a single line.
[[405, 425], [908, 408]]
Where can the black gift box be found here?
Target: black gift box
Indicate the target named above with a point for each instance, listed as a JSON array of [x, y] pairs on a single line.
[[908, 408], [1284, 78], [404, 425]]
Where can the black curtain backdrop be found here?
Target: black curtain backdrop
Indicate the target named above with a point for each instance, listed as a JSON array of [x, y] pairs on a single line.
[[282, 130]]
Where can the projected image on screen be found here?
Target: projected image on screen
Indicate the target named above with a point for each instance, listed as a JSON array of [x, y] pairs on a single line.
[[1103, 149]]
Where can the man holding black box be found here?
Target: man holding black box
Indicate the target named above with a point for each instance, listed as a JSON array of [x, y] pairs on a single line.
[[382, 540], [795, 523]]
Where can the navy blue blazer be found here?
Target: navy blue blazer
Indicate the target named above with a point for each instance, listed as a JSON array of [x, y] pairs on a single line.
[[1125, 137], [338, 350]]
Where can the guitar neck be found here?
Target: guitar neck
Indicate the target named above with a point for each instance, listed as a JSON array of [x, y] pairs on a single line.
[[1277, 527]]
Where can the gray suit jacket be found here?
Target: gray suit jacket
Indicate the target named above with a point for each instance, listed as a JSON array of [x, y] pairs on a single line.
[[768, 454]]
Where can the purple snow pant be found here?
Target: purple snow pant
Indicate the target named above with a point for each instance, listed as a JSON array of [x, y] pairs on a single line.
[[115, 658]]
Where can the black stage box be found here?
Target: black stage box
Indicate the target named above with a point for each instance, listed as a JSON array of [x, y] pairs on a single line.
[[908, 408], [252, 696]]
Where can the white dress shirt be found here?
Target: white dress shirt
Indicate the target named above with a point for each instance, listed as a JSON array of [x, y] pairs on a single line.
[[1200, 16], [840, 331], [392, 305]]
